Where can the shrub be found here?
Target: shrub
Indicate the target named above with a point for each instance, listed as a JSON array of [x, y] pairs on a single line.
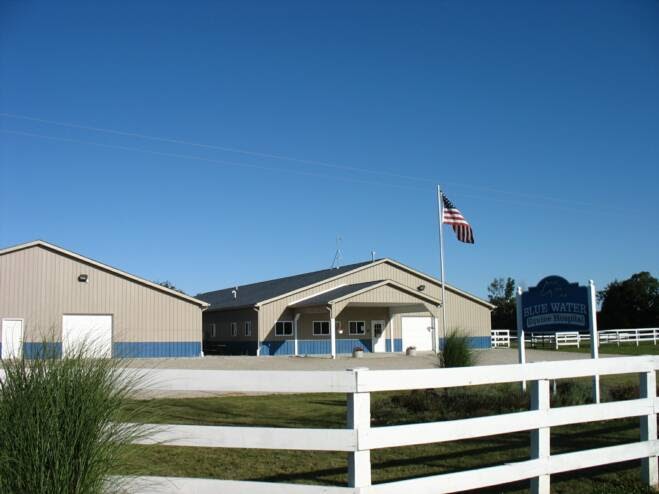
[[572, 393], [457, 351], [623, 486], [59, 425]]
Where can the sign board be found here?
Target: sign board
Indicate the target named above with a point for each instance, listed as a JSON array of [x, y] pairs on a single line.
[[558, 305], [555, 305]]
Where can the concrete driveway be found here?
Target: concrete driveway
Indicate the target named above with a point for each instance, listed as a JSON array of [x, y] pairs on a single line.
[[372, 361]]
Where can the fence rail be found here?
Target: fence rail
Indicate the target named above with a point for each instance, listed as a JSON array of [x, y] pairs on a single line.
[[359, 438], [606, 336]]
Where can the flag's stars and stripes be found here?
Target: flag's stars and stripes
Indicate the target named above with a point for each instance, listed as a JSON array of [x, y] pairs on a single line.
[[453, 217]]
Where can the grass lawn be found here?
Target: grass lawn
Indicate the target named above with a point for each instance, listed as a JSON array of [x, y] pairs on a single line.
[[328, 411]]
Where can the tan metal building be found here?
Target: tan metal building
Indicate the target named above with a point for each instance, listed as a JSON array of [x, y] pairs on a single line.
[[379, 306], [54, 296]]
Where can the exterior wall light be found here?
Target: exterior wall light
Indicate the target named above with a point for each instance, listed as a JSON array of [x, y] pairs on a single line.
[[83, 278]]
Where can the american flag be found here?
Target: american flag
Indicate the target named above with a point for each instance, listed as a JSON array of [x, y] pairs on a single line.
[[453, 217]]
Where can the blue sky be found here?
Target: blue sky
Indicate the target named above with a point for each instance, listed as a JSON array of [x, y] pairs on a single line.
[[540, 120]]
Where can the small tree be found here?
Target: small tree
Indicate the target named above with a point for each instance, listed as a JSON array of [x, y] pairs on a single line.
[[170, 285], [502, 294], [631, 303]]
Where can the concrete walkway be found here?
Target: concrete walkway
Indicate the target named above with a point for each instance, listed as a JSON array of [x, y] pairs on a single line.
[[372, 361]]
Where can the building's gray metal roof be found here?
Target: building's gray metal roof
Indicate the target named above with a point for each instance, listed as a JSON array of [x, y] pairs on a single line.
[[250, 295], [326, 297]]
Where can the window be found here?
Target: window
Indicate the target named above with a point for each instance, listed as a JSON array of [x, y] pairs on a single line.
[[357, 327], [234, 329], [248, 328], [284, 328], [213, 330], [321, 328]]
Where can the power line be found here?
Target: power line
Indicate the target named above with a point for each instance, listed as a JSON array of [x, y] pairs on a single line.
[[208, 160], [487, 198], [293, 159]]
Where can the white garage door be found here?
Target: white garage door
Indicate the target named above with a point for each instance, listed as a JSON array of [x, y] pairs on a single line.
[[417, 331], [93, 334]]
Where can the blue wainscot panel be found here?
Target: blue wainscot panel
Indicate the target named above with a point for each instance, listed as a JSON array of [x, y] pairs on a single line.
[[277, 347], [398, 345], [314, 347], [32, 350], [480, 342], [477, 342], [156, 349], [347, 346]]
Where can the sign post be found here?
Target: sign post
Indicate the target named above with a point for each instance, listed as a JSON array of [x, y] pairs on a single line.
[[521, 350], [594, 337], [556, 305]]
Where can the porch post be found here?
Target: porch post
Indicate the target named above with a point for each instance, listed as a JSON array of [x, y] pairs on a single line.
[[435, 336], [295, 324], [333, 333], [330, 308]]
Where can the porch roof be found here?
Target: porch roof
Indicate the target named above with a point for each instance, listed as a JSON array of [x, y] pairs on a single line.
[[345, 292], [337, 293]]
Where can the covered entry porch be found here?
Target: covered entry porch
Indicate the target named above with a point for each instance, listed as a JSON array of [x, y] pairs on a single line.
[[380, 316]]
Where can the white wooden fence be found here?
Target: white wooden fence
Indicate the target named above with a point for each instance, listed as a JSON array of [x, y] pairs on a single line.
[[636, 336], [500, 338], [359, 438]]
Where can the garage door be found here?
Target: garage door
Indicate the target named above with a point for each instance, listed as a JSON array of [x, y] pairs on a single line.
[[93, 334], [417, 331]]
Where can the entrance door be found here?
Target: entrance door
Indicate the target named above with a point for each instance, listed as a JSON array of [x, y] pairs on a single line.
[[378, 337], [12, 338], [91, 334]]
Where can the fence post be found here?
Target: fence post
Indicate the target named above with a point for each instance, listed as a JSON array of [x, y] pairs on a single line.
[[540, 439], [649, 467], [359, 419]]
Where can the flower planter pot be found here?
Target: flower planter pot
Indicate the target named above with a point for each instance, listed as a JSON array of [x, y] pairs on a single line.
[[411, 352], [358, 353]]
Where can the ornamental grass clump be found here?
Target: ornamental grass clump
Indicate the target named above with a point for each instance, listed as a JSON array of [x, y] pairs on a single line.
[[456, 351], [60, 424]]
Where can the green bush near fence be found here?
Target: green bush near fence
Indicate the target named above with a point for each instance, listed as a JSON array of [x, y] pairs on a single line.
[[58, 433]]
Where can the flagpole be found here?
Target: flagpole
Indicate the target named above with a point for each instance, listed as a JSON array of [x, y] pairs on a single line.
[[440, 212]]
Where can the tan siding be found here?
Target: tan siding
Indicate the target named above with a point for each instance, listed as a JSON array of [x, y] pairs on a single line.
[[366, 314], [39, 286], [468, 314]]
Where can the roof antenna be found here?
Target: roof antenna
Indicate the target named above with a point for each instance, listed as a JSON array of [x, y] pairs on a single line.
[[338, 256], [372, 256]]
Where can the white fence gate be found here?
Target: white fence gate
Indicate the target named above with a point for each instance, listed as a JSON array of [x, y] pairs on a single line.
[[567, 338], [359, 438], [500, 338]]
